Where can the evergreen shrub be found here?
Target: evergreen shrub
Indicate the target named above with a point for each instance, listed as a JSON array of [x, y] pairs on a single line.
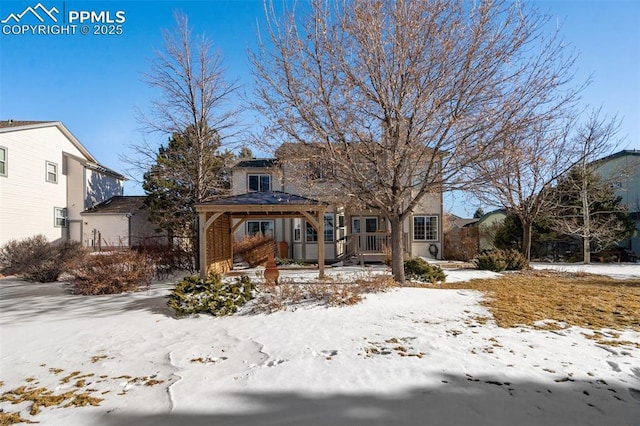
[[418, 269], [37, 259], [195, 295], [501, 260]]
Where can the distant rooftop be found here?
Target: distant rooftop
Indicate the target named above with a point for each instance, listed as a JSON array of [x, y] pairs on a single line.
[[120, 204], [16, 123]]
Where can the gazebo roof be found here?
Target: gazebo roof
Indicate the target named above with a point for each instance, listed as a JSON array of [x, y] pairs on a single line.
[[271, 198]]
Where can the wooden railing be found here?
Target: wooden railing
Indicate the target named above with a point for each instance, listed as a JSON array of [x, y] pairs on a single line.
[[368, 242]]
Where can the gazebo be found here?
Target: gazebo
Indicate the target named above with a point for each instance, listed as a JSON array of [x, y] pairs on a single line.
[[216, 225]]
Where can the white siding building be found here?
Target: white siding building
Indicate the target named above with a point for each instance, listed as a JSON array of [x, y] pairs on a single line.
[[47, 178]]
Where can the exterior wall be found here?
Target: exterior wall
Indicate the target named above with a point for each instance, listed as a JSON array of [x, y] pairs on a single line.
[[105, 231], [486, 229], [27, 200], [144, 232], [623, 174], [430, 205], [239, 179], [99, 187]]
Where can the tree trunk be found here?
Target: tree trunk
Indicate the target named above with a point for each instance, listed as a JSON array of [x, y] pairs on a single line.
[[526, 239], [586, 226], [397, 249]]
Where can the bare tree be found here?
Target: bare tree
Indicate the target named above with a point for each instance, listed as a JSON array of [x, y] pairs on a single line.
[[582, 204], [193, 100], [398, 97], [192, 110], [529, 162]]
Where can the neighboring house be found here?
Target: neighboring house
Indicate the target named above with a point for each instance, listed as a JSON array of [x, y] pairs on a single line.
[[487, 227], [460, 237], [317, 222], [622, 172], [120, 222], [47, 178]]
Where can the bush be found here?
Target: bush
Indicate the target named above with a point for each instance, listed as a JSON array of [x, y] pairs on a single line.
[[492, 261], [37, 259], [254, 249], [194, 295], [111, 273], [501, 260], [167, 259], [420, 270]]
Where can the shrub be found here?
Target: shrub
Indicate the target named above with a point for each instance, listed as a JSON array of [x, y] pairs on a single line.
[[325, 292], [501, 260], [111, 273], [515, 260], [37, 259], [461, 244], [254, 249], [167, 259], [492, 261], [420, 270], [194, 295]]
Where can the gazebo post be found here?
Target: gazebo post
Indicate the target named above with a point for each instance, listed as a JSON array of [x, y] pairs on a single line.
[[321, 242], [202, 231]]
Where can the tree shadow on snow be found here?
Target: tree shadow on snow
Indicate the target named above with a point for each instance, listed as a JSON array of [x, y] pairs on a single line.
[[456, 400]]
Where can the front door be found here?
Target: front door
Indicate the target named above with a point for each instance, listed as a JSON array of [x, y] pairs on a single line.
[[366, 238]]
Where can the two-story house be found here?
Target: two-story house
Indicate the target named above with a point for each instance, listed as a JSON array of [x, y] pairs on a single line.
[[47, 178], [621, 171], [317, 223]]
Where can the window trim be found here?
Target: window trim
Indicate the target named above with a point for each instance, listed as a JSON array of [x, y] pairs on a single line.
[[259, 176], [56, 217], [425, 239], [260, 221], [5, 162], [311, 235], [46, 171]]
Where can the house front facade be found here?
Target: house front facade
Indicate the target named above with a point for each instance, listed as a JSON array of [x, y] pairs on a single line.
[[47, 178], [349, 233]]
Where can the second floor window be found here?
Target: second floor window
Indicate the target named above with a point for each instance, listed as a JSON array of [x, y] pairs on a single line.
[[3, 161], [52, 172], [259, 183]]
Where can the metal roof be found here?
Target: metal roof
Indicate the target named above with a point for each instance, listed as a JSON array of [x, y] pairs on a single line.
[[271, 198]]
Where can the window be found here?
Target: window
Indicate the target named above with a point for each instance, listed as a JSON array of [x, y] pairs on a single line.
[[311, 234], [52, 172], [59, 217], [297, 225], [425, 228], [264, 227], [3, 161], [320, 170], [259, 183]]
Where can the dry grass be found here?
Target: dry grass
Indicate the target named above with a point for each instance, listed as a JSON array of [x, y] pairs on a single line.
[[583, 300]]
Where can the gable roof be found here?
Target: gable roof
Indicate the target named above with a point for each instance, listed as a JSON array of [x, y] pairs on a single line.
[[119, 204], [7, 126]]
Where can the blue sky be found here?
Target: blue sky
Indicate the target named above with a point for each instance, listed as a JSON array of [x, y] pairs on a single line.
[[93, 83]]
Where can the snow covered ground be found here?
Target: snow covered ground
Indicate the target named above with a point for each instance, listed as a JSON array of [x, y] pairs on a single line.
[[407, 357]]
